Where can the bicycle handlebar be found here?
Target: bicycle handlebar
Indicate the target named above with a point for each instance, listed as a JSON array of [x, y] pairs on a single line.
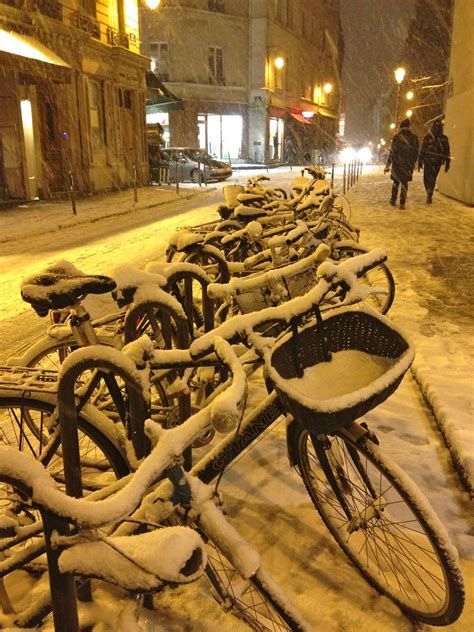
[[170, 445], [331, 275], [246, 284]]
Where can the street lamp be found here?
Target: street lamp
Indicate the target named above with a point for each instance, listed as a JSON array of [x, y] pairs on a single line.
[[327, 88], [399, 76], [392, 126], [152, 4], [410, 94], [409, 113], [279, 62]]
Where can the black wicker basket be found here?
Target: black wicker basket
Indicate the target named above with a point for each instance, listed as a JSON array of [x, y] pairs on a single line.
[[346, 390]]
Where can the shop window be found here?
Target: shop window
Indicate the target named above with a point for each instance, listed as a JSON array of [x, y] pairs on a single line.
[[159, 53], [216, 66], [96, 114]]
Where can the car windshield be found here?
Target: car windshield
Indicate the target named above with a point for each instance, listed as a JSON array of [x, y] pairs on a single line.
[[199, 155]]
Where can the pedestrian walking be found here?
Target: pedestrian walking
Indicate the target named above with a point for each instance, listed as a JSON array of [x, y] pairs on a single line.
[[275, 147], [434, 152], [289, 151], [401, 161]]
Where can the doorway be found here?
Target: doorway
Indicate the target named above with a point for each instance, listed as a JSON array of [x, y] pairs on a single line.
[[30, 152], [275, 138]]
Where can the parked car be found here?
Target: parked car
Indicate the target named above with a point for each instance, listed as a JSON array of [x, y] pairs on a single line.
[[194, 164]]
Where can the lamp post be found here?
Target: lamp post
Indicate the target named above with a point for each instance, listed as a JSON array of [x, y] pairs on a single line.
[[399, 77]]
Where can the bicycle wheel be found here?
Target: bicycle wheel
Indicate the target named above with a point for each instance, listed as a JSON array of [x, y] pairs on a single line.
[[214, 266], [378, 277], [383, 524], [257, 600], [101, 464], [25, 424]]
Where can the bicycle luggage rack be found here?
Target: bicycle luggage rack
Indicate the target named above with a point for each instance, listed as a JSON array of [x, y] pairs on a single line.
[[374, 340]]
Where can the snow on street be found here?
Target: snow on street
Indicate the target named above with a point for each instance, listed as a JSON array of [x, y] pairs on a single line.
[[429, 252]]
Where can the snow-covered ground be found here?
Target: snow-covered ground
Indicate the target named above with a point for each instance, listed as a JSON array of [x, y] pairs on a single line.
[[429, 252]]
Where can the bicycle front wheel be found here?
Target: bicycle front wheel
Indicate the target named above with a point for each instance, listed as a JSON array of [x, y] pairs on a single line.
[[383, 524], [257, 600]]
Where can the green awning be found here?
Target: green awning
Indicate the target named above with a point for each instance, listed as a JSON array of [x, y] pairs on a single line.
[[163, 104], [159, 98]]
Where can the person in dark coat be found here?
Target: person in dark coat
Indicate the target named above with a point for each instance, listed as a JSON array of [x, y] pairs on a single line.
[[434, 152], [401, 161]]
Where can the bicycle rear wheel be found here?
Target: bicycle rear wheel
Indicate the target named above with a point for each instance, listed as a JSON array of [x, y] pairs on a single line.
[[24, 425], [378, 277], [383, 524]]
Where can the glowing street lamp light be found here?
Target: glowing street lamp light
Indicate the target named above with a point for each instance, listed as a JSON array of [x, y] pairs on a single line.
[[410, 94], [399, 76], [392, 126], [327, 88], [152, 4], [409, 113], [279, 62]]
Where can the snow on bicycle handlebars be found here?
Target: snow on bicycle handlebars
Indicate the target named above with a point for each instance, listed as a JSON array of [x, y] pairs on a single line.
[[330, 275]]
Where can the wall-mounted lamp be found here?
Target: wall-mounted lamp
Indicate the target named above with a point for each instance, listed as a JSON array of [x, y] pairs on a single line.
[[279, 62], [152, 4], [327, 88]]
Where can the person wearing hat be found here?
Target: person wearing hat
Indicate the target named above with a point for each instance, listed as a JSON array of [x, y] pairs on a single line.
[[434, 152], [401, 161]]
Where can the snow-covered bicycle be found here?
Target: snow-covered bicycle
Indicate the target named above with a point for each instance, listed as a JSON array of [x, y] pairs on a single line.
[[327, 371]]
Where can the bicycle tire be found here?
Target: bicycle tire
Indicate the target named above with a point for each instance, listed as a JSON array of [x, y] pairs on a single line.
[[101, 462], [51, 354], [379, 276], [257, 600], [279, 194], [342, 476]]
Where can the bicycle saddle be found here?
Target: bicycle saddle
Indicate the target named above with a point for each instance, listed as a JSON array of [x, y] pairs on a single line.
[[249, 213], [250, 197], [139, 563], [60, 285]]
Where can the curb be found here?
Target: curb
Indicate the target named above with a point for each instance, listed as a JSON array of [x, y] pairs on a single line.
[[93, 220], [442, 421]]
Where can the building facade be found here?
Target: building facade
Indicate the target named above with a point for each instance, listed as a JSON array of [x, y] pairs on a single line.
[[72, 97], [259, 78], [459, 121]]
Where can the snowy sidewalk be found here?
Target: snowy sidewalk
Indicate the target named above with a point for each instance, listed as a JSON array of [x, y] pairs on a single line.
[[47, 217], [430, 254]]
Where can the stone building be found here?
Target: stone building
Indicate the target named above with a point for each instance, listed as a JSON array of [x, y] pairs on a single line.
[[459, 121], [252, 74], [72, 97]]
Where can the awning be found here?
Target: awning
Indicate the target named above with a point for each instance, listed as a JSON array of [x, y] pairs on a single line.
[[28, 47], [300, 118], [159, 98], [277, 112]]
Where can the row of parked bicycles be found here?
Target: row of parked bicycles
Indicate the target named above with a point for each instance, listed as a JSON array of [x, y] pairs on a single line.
[[116, 432]]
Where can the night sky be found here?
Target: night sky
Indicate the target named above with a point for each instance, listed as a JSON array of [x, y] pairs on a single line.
[[374, 35]]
